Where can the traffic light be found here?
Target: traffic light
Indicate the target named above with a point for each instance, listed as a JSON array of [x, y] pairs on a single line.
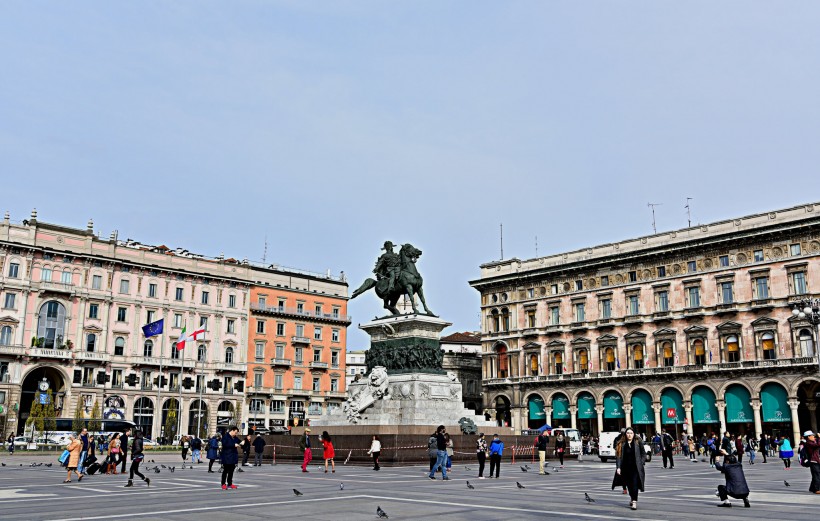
[[132, 379], [103, 378], [215, 384], [239, 386], [160, 381], [187, 382]]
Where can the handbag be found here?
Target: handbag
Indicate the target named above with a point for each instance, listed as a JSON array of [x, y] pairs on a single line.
[[64, 457]]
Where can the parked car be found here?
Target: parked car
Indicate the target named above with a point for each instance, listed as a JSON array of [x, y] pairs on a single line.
[[21, 441], [606, 450]]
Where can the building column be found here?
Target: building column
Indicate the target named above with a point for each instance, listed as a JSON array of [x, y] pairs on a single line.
[[628, 414], [573, 415], [756, 405], [516, 420], [600, 410], [812, 415], [721, 407], [793, 404], [688, 408], [548, 415], [657, 408]]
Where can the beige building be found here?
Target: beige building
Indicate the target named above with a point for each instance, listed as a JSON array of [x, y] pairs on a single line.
[[692, 327]]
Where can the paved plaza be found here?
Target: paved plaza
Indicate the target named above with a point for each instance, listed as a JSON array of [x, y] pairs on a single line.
[[685, 492]]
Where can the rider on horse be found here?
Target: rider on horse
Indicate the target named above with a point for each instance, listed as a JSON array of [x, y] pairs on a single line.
[[388, 266]]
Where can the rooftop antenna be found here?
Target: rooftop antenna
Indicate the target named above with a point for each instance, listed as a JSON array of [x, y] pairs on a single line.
[[502, 240], [688, 211], [265, 252], [653, 205]]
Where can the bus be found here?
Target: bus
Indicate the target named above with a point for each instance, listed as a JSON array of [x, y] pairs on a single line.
[[64, 427]]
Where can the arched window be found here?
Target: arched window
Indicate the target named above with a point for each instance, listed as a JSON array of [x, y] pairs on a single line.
[[534, 365], [609, 356], [90, 342], [229, 355], [503, 362], [5, 336], [767, 343], [51, 324], [732, 349], [175, 353], [583, 361], [700, 352], [806, 343], [667, 354], [144, 414], [505, 319], [201, 353], [66, 278], [495, 324], [148, 348], [119, 346], [558, 362], [637, 356]]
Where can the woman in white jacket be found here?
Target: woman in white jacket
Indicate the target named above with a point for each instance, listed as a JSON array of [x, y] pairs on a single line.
[[375, 450]]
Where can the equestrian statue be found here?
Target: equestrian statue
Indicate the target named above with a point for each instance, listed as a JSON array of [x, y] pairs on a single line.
[[396, 275]]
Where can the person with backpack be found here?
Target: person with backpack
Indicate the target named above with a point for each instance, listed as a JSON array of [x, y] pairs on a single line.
[[711, 447], [213, 452], [667, 446], [432, 450], [736, 485], [259, 449], [810, 457], [751, 447], [196, 450]]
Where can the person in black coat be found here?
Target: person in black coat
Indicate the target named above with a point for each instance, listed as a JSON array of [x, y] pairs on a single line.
[[213, 451], [259, 449], [230, 456], [136, 459], [667, 448], [124, 448], [764, 446], [246, 450], [629, 465], [736, 485]]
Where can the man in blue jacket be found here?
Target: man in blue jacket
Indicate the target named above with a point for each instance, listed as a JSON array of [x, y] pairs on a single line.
[[496, 451]]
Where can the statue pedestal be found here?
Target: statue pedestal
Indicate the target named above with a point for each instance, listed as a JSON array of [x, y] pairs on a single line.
[[406, 385]]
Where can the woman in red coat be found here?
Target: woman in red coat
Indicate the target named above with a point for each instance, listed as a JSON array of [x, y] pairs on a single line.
[[329, 452]]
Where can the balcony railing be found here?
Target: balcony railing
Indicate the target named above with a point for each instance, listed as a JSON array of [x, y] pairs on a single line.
[[299, 340], [89, 356], [318, 365], [252, 389], [300, 312], [284, 362], [57, 287], [647, 371], [155, 360], [12, 350], [41, 352], [229, 366]]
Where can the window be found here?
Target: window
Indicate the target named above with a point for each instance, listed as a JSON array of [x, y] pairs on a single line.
[[495, 322], [668, 354], [297, 405], [203, 323], [693, 297], [280, 329], [316, 384], [125, 287], [662, 303], [503, 362], [66, 277], [661, 271], [173, 381], [758, 255], [228, 355], [297, 382], [231, 325], [148, 348], [633, 276], [257, 379], [334, 385], [534, 365], [580, 315], [334, 358], [257, 405], [606, 308], [205, 296], [227, 383], [119, 346], [175, 353], [724, 261], [200, 383], [152, 290], [558, 363], [300, 331], [177, 320], [149, 316], [554, 289], [691, 266], [732, 349], [318, 310], [806, 343], [298, 352], [116, 378], [121, 314], [145, 381], [794, 249], [202, 353], [231, 301], [260, 351], [335, 312], [317, 333], [88, 376], [300, 307], [799, 282], [14, 270], [767, 343], [761, 288], [51, 324], [277, 405], [178, 294], [530, 293], [605, 280], [579, 285], [260, 326], [9, 301], [93, 311], [334, 335], [277, 381], [633, 305], [530, 318], [583, 361], [280, 351], [46, 275], [609, 357], [555, 315], [5, 336], [126, 269], [505, 319], [700, 352], [727, 292], [637, 356]]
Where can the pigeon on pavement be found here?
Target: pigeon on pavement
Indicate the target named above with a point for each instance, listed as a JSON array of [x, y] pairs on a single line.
[[156, 470], [523, 469], [786, 483], [3, 464], [467, 468], [588, 499], [173, 469], [381, 513], [519, 485], [240, 469], [296, 492], [341, 486], [47, 464], [470, 486]]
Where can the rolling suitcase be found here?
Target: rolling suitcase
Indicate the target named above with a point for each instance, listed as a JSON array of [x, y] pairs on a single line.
[[93, 468]]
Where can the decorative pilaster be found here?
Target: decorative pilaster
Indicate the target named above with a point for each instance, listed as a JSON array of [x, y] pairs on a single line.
[[756, 405], [688, 408], [794, 403], [573, 415], [721, 407], [600, 410], [628, 414]]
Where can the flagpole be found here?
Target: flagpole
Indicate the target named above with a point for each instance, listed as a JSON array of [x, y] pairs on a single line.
[[159, 386], [179, 383]]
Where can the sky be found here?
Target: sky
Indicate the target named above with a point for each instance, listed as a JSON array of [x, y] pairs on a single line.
[[330, 127]]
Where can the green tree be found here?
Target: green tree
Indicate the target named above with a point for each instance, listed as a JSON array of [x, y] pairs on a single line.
[[78, 423], [170, 421], [49, 415], [94, 425], [35, 417]]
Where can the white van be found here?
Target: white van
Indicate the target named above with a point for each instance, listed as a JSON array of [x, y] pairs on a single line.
[[573, 437], [606, 447]]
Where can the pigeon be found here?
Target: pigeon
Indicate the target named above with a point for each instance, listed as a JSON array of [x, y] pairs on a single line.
[[5, 464], [163, 466], [786, 483], [156, 470], [296, 492], [470, 486], [519, 485], [47, 464], [588, 499], [173, 469], [547, 472], [240, 469], [381, 513], [526, 466], [523, 469], [341, 486], [467, 468]]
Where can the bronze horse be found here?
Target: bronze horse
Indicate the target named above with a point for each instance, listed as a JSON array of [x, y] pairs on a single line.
[[408, 283]]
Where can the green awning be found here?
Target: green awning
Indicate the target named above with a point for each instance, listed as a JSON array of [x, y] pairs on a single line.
[[671, 399], [775, 403], [613, 405], [738, 405], [560, 408], [536, 406], [586, 407], [642, 412], [704, 409]]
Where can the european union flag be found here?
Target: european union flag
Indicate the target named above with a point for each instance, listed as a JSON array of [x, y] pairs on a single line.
[[153, 329]]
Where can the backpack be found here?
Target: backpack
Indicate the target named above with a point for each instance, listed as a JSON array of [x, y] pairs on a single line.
[[803, 457]]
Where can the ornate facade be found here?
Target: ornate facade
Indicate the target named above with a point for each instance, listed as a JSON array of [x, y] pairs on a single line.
[[690, 327]]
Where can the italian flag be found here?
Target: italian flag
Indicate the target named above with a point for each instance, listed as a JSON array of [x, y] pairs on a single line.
[[184, 337]]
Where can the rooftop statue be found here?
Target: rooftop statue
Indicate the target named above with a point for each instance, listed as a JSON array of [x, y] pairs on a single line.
[[396, 275]]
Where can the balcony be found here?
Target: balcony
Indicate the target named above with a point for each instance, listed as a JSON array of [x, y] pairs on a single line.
[[301, 392], [318, 365], [42, 352], [605, 322], [552, 328], [661, 316], [63, 288], [724, 309], [762, 303], [530, 331], [633, 319], [299, 340], [260, 390], [280, 362], [301, 313], [696, 311], [155, 361], [334, 394], [230, 366], [88, 356], [12, 350]]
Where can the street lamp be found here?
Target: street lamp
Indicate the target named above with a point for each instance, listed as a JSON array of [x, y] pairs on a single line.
[[809, 309]]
